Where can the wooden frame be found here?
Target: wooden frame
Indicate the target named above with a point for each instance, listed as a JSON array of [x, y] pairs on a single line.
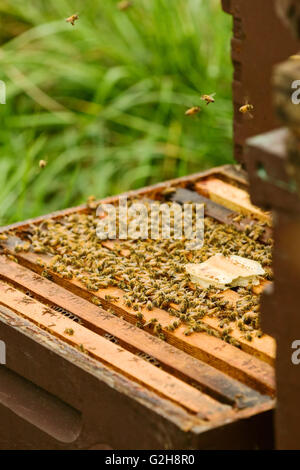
[[201, 384]]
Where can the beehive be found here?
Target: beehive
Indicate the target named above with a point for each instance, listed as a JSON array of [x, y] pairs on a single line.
[[86, 369]]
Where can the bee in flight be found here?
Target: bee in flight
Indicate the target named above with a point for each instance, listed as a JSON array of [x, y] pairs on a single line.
[[192, 111], [42, 163], [208, 98], [72, 19], [124, 5], [246, 109]]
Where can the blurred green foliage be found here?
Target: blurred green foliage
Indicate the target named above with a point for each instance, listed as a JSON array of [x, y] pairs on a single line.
[[104, 101]]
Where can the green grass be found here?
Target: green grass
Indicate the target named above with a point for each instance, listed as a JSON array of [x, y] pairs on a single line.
[[103, 102]]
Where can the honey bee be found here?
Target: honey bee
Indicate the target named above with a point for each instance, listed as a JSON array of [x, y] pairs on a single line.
[[246, 109], [192, 111], [149, 305], [42, 163], [69, 331], [40, 262], [124, 5], [72, 19], [248, 337], [82, 348], [208, 98], [91, 202]]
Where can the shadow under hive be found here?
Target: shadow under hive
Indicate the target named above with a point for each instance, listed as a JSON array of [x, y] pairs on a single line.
[[86, 370]]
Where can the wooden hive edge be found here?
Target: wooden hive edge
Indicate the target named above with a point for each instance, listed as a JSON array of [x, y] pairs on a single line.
[[211, 381], [236, 363], [167, 409]]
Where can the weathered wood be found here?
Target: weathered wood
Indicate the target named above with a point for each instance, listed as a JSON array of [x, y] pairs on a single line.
[[200, 363], [133, 338], [107, 352], [214, 351], [286, 84], [231, 197], [217, 211], [289, 11], [256, 23]]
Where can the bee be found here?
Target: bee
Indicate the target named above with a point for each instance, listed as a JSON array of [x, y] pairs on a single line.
[[192, 111], [91, 202], [234, 342], [128, 303], [124, 5], [151, 322], [111, 298], [55, 260], [248, 337], [157, 328], [40, 262], [246, 109], [149, 305], [208, 98], [42, 163], [96, 301], [72, 19], [188, 332], [69, 331], [82, 348]]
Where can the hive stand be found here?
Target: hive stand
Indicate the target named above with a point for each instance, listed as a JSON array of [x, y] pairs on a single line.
[[273, 164]]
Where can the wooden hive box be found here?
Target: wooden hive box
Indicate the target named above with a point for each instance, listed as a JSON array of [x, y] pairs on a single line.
[[260, 40], [80, 373]]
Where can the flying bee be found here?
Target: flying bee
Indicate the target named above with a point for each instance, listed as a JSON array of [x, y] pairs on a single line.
[[72, 19], [208, 98], [246, 109], [192, 111], [124, 5], [42, 163]]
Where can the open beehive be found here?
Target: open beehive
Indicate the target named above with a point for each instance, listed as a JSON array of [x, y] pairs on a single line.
[[109, 344]]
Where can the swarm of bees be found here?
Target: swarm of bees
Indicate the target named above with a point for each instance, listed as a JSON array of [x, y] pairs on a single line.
[[151, 273]]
